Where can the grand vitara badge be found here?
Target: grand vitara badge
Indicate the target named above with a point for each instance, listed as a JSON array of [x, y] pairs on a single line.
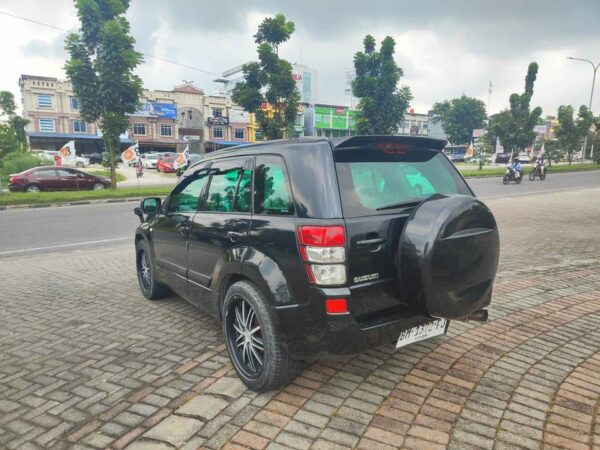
[[369, 277]]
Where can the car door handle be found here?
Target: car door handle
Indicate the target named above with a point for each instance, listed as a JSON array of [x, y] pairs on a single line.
[[235, 235]]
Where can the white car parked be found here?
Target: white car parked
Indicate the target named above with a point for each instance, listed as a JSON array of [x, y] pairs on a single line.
[[149, 160]]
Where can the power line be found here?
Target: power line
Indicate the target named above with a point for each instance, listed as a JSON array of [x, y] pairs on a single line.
[[158, 58]]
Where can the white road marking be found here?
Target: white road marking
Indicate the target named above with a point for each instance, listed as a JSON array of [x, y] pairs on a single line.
[[52, 247]]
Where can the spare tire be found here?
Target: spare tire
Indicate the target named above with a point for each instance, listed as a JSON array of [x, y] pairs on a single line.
[[448, 256]]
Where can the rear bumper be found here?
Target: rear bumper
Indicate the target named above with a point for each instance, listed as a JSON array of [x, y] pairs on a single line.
[[308, 332]]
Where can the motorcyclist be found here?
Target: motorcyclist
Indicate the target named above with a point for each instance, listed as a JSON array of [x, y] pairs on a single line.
[[139, 168], [540, 161], [516, 167]]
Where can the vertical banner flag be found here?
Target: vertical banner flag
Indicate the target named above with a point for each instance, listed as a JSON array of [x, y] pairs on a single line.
[[182, 158], [499, 147], [67, 154], [470, 150], [130, 154]]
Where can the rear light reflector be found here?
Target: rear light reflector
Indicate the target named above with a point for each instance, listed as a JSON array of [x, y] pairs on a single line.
[[325, 254], [321, 236], [336, 306], [329, 274]]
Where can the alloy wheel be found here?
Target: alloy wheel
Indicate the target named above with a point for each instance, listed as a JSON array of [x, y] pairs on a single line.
[[245, 337], [98, 187], [144, 269]]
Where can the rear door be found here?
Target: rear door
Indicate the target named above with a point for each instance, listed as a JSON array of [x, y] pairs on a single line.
[[221, 226], [47, 178], [379, 187]]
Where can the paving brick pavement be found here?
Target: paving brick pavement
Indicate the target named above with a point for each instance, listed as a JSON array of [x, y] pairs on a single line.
[[87, 363]]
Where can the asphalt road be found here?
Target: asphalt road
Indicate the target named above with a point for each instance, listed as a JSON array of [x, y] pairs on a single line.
[[30, 231]]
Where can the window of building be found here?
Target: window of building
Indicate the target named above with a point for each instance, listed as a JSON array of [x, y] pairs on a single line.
[[139, 129], [217, 112], [218, 132], [74, 103], [79, 126], [299, 120], [239, 133], [272, 194], [190, 115], [44, 101], [166, 130], [47, 125]]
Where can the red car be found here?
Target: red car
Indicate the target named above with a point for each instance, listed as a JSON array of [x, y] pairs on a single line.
[[165, 163], [55, 179]]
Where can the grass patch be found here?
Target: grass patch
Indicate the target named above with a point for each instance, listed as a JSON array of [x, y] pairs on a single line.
[[499, 171], [23, 198], [106, 173]]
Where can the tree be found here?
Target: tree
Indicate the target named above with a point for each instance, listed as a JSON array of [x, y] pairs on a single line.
[[514, 126], [459, 117], [12, 134], [570, 132], [270, 81], [381, 104], [102, 59]]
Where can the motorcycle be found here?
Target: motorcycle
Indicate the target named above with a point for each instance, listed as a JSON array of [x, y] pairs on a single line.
[[139, 171], [539, 170], [511, 175]]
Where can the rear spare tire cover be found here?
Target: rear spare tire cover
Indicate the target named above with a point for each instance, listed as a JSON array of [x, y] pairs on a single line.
[[448, 256]]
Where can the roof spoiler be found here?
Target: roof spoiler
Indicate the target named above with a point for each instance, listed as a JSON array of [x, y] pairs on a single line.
[[361, 141]]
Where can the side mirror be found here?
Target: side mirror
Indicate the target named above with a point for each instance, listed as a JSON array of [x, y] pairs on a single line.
[[150, 205]]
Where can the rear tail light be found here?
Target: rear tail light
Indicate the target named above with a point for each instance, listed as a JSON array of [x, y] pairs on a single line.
[[323, 245]]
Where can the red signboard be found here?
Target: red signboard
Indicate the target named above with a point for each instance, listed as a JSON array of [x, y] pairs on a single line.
[[340, 111]]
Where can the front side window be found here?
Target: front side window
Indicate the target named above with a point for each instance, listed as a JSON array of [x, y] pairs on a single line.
[[47, 125], [230, 187], [139, 129], [239, 133], [218, 132], [44, 101], [166, 130], [74, 103], [272, 193], [373, 180], [186, 195], [79, 126]]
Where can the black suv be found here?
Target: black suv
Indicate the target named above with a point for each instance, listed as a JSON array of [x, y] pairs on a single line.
[[320, 247]]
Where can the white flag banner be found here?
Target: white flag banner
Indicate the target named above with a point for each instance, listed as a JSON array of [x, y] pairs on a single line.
[[182, 158], [67, 154], [499, 147], [130, 154]]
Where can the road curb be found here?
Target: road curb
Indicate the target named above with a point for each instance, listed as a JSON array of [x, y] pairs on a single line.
[[75, 203]]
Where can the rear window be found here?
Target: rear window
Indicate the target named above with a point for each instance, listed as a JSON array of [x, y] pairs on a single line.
[[371, 179]]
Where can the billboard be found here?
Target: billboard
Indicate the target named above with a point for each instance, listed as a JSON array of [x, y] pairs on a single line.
[[159, 110]]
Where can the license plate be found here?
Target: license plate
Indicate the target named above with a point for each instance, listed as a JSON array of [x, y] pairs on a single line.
[[422, 332]]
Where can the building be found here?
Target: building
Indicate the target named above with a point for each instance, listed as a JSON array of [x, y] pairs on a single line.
[[226, 124], [329, 121], [414, 124], [306, 81], [52, 109], [435, 129]]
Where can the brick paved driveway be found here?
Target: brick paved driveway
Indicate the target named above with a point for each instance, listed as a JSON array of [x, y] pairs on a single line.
[[86, 362]]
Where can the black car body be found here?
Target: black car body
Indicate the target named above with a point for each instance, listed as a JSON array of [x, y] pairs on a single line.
[[345, 245]]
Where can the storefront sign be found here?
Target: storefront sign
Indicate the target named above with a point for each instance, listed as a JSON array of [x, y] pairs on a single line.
[[218, 121], [159, 110]]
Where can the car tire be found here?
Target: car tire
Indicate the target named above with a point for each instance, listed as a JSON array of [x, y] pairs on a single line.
[[32, 188], [151, 289], [246, 310], [98, 187], [79, 165]]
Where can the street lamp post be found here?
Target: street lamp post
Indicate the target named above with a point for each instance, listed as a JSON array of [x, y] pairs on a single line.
[[595, 67]]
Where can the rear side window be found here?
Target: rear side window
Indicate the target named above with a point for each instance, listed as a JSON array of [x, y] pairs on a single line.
[[272, 193], [370, 179], [45, 173], [230, 187]]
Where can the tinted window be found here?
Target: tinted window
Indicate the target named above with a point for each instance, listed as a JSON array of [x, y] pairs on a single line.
[[226, 177], [272, 193], [66, 173], [45, 173], [371, 179], [187, 193]]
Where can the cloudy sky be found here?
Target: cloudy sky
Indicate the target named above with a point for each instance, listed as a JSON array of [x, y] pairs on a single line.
[[446, 47]]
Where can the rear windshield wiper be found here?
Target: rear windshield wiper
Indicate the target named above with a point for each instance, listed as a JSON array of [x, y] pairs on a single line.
[[400, 205]]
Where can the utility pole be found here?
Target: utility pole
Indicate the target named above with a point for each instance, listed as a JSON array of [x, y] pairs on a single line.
[[595, 67]]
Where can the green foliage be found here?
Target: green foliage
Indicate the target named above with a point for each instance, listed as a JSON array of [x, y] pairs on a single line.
[[459, 117], [381, 104], [12, 134], [270, 81], [553, 151], [101, 64], [19, 161], [514, 126], [570, 132]]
